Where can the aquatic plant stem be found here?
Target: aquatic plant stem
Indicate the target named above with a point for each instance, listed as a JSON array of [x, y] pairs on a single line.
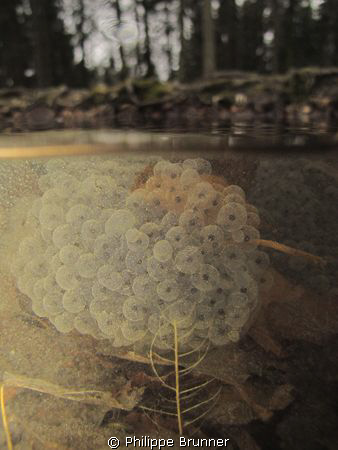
[[4, 418], [177, 375]]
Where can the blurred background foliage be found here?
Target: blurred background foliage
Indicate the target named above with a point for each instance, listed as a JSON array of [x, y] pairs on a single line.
[[81, 42]]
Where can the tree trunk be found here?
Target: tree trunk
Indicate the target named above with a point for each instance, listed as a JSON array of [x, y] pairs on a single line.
[[209, 44], [147, 50], [41, 42], [168, 39], [124, 71]]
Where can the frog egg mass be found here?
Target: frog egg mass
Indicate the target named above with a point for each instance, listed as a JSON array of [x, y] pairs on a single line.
[[123, 264]]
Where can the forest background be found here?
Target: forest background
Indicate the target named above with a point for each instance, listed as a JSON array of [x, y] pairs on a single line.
[[82, 42]]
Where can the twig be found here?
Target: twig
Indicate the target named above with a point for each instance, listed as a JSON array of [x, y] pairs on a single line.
[[290, 250], [4, 418]]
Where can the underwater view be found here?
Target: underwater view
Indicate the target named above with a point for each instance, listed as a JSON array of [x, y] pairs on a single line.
[[167, 290]]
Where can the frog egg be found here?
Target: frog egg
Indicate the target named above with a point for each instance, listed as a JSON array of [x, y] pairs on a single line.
[[77, 215], [135, 309], [90, 230], [168, 290], [46, 235], [100, 292], [37, 267], [82, 196], [51, 198], [119, 222], [219, 333], [189, 260], [55, 164], [182, 313], [212, 237], [206, 279], [39, 290], [51, 216], [234, 198], [108, 323], [50, 284], [136, 262], [265, 281], [191, 220], [169, 220], [69, 254], [134, 331], [203, 166], [152, 230], [237, 318], [50, 252], [105, 247], [159, 167], [234, 189], [171, 171], [26, 284], [253, 219], [52, 302], [158, 324], [64, 322], [85, 324], [251, 235], [177, 237], [29, 246], [45, 182], [63, 235], [232, 216], [73, 301], [189, 178], [258, 261], [87, 265], [204, 316], [157, 270], [108, 278], [66, 278], [36, 206], [200, 195], [156, 204], [163, 251], [245, 284], [38, 307], [136, 240], [136, 201], [18, 266], [66, 186], [144, 287], [234, 257], [239, 300]]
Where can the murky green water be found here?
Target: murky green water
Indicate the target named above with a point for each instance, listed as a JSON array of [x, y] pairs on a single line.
[[156, 284]]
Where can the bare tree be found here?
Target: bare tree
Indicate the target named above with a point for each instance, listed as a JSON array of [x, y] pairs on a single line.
[[209, 40], [41, 42]]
